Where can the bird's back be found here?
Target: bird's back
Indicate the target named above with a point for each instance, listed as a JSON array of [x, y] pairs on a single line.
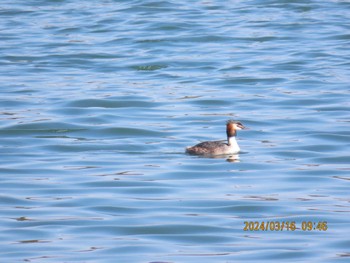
[[211, 147]]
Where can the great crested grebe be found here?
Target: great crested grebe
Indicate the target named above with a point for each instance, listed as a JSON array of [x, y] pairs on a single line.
[[220, 147]]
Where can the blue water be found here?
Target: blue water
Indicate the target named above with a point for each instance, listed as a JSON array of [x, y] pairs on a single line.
[[98, 100]]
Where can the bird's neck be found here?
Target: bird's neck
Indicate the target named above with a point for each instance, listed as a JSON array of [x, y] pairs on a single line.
[[231, 140]]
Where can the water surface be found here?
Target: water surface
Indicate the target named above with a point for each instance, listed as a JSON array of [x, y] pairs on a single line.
[[99, 100]]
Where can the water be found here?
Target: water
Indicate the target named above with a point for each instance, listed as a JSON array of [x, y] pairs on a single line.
[[99, 100]]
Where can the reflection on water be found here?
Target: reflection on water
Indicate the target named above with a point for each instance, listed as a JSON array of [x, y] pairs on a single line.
[[232, 158]]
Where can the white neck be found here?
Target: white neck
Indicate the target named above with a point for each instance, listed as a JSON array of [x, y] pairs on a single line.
[[232, 142]]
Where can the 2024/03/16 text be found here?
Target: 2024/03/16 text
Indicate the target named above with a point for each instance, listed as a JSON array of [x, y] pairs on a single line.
[[284, 226]]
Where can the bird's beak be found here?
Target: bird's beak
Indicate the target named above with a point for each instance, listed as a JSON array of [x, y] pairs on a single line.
[[242, 127]]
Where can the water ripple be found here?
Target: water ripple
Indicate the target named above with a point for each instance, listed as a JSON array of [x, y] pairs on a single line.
[[99, 100]]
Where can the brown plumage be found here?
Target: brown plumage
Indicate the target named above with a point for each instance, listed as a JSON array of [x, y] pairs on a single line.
[[219, 147]]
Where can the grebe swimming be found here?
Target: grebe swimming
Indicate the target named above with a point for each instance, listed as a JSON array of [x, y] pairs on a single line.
[[220, 147]]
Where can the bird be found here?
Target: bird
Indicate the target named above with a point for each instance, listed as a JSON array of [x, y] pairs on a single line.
[[220, 147]]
